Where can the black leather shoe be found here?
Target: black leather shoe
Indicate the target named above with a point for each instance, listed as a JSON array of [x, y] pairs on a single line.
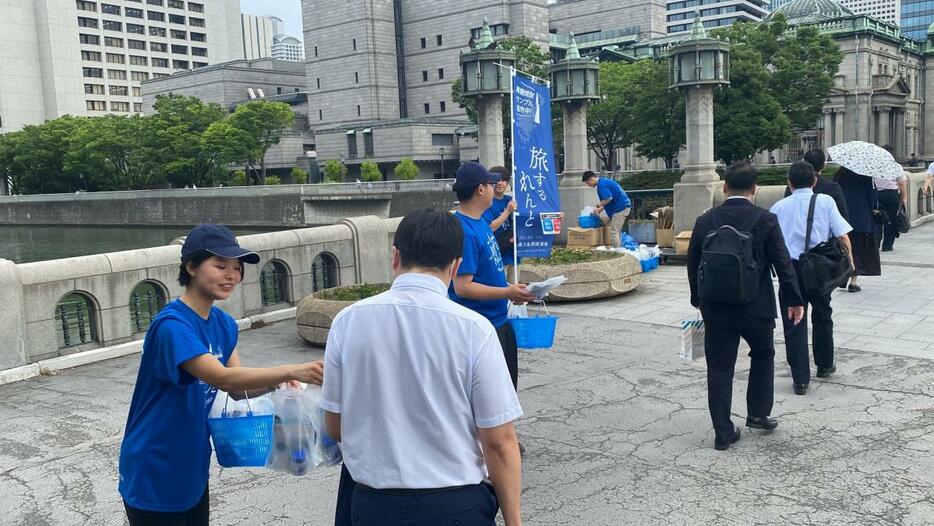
[[761, 422], [801, 389], [824, 372], [724, 443], [887, 249], [854, 288]]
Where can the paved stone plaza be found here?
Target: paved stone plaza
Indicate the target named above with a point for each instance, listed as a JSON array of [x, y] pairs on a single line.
[[616, 424]]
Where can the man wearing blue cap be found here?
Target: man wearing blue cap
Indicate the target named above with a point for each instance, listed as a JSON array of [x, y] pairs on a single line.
[[481, 283], [188, 354]]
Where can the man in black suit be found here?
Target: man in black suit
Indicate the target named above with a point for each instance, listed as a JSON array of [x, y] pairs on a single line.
[[754, 321], [818, 160]]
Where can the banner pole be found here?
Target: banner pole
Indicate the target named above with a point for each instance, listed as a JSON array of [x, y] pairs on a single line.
[[512, 149]]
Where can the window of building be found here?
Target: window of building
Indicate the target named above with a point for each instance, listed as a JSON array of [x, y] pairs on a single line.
[[135, 28], [96, 105], [116, 74], [112, 25], [424, 43], [424, 76], [352, 144], [86, 6], [198, 37], [157, 31], [94, 89], [199, 51], [197, 8], [136, 44], [139, 75], [179, 35], [320, 115], [93, 72], [442, 139], [114, 58], [438, 39], [176, 19], [196, 22], [180, 64], [92, 56], [160, 75], [119, 106], [316, 51], [197, 65], [159, 47], [154, 2], [155, 15], [368, 142], [160, 62], [122, 91], [358, 110], [179, 50], [134, 13], [137, 60], [427, 108], [356, 77], [137, 107], [496, 29], [94, 40], [318, 83], [440, 73], [137, 91], [176, 4], [355, 44], [113, 42], [87, 22], [443, 106]]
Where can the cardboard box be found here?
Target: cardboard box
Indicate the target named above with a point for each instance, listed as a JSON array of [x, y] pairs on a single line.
[[682, 240], [584, 237], [665, 237]]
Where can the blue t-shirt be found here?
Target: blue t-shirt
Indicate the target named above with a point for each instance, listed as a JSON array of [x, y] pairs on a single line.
[[495, 210], [165, 455], [482, 259], [607, 188]]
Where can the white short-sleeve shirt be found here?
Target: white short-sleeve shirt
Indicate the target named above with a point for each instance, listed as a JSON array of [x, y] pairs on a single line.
[[792, 213], [413, 375]]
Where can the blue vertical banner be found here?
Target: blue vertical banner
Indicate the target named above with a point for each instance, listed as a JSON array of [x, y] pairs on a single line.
[[533, 169]]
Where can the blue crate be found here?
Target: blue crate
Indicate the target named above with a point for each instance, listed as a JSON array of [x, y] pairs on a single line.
[[242, 441], [650, 264], [590, 221], [535, 333]]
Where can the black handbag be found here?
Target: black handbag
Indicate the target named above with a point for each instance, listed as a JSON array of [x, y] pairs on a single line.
[[825, 266], [904, 223]]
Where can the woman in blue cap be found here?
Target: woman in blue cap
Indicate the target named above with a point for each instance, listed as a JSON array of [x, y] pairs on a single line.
[[188, 354]]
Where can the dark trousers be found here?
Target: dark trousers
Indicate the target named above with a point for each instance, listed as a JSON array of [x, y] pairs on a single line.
[[507, 339], [796, 337], [888, 200], [721, 342], [199, 515]]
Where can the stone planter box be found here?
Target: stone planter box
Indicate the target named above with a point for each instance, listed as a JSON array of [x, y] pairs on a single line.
[[589, 280], [313, 316]]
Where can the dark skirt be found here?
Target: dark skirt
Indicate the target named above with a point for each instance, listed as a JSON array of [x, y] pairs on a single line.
[[866, 254]]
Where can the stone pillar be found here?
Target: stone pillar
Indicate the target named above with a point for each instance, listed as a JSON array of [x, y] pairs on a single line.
[[827, 138], [839, 135], [900, 135], [490, 130], [883, 133], [12, 319], [700, 182], [575, 138]]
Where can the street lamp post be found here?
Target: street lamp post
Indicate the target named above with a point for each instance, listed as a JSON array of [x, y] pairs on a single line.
[[575, 81], [441, 153]]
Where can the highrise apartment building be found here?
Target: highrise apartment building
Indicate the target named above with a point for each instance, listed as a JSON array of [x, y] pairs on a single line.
[[285, 47], [916, 17], [714, 13], [885, 10], [87, 57], [264, 37]]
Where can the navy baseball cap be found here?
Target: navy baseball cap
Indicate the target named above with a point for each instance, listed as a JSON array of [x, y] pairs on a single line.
[[471, 175], [217, 240]]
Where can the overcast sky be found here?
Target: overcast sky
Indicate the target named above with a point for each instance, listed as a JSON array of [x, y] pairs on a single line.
[[290, 11]]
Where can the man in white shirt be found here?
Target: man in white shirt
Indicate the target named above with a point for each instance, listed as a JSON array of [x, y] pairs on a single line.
[[792, 215], [418, 394]]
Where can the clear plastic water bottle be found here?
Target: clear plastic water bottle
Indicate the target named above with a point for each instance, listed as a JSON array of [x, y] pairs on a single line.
[[299, 461]]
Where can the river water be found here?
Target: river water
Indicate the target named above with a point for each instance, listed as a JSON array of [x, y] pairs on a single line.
[[24, 244]]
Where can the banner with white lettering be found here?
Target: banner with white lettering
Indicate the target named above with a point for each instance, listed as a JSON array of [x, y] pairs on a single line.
[[533, 169]]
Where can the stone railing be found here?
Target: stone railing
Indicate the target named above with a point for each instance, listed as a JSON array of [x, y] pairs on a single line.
[[59, 307]]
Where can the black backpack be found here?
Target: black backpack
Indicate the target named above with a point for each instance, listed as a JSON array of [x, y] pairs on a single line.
[[728, 270]]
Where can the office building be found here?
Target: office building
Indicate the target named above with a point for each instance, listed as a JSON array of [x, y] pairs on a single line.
[[916, 17], [884, 10], [285, 47], [85, 57], [714, 13]]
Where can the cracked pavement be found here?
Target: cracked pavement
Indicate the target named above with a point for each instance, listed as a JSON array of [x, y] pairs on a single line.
[[616, 424]]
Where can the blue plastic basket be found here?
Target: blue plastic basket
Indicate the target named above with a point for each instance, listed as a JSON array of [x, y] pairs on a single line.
[[649, 265], [241, 441], [535, 333], [590, 221]]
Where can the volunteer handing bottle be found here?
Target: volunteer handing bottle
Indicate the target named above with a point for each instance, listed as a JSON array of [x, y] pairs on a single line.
[[188, 354]]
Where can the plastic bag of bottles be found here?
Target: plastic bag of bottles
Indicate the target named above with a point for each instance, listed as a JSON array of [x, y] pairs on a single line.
[[627, 241], [261, 405], [300, 442]]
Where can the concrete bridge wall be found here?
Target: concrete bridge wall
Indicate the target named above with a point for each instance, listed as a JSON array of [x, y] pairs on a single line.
[[360, 246]]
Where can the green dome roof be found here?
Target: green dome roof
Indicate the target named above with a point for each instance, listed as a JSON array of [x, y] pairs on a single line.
[[799, 12]]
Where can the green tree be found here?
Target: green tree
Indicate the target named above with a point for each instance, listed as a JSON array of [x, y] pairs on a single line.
[[406, 169], [175, 135], [299, 176], [263, 121], [609, 121], [369, 171], [238, 179], [37, 155], [273, 180], [117, 151], [334, 171], [657, 121], [227, 144]]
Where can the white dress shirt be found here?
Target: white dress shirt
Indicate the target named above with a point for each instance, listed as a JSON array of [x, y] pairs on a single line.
[[792, 213], [413, 375]]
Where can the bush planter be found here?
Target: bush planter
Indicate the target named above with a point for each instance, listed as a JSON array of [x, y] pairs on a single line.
[[316, 312], [590, 274]]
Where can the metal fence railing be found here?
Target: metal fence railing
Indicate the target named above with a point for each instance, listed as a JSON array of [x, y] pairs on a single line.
[[646, 201]]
